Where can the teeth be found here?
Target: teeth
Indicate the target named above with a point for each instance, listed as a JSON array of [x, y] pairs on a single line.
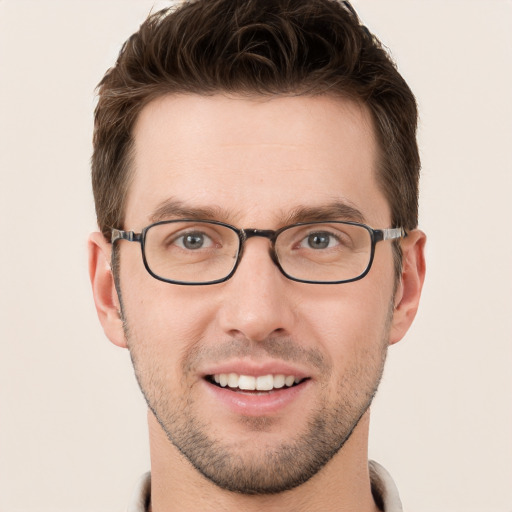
[[279, 381], [289, 381], [245, 382], [232, 380], [265, 383], [251, 383]]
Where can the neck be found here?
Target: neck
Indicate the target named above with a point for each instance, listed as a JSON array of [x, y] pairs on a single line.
[[342, 484]]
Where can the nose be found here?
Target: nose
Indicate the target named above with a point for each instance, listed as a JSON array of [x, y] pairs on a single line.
[[257, 300]]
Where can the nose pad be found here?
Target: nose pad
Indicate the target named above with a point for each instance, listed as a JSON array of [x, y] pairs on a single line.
[[273, 255]]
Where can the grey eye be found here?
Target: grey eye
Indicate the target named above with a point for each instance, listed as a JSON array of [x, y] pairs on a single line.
[[319, 240], [193, 241]]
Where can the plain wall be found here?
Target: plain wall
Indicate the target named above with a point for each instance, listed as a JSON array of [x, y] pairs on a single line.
[[73, 433]]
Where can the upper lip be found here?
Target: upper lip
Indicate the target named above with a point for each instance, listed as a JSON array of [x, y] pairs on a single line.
[[256, 369]]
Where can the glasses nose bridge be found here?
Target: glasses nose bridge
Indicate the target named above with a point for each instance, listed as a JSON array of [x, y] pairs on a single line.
[[270, 234], [263, 233]]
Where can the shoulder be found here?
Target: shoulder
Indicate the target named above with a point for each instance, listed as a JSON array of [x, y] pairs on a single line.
[[384, 490], [141, 494]]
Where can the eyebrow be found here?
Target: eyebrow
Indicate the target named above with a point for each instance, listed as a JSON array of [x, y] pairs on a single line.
[[172, 208], [336, 210]]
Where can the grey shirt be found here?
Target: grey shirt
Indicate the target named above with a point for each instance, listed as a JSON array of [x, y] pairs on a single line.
[[384, 491]]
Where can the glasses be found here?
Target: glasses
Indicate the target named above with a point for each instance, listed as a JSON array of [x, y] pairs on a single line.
[[200, 252]]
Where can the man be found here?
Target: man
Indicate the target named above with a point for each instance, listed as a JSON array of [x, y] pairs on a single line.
[[255, 174]]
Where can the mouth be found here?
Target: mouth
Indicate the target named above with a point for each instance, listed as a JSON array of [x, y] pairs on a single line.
[[252, 383]]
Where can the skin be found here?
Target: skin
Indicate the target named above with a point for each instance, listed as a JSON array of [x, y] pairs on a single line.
[[251, 162]]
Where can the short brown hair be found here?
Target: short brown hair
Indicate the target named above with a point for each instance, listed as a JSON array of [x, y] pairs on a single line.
[[255, 47]]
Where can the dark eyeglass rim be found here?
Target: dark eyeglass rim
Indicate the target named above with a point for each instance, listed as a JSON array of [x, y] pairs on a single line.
[[376, 235]]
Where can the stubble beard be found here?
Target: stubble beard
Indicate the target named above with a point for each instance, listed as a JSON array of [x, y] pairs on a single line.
[[263, 469]]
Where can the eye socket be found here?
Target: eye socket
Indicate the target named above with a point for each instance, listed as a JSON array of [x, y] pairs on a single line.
[[322, 240], [183, 239], [319, 240], [193, 240]]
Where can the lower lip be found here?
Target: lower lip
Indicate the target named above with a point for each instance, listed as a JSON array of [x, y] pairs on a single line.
[[257, 404]]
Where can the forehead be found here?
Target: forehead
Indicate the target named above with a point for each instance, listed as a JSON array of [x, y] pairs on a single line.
[[253, 158]]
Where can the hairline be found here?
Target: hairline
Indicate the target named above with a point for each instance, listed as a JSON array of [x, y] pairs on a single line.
[[129, 154]]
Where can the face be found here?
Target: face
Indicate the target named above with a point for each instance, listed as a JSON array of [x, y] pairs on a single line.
[[256, 163]]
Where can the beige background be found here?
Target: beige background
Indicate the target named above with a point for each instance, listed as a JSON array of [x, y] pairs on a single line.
[[72, 422]]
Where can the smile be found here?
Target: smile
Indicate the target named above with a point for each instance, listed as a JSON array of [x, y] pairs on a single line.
[[254, 383]]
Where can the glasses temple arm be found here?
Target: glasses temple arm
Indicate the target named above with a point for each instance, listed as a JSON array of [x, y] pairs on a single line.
[[118, 234], [389, 234]]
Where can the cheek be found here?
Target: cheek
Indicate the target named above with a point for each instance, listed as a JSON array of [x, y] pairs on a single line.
[[351, 320], [164, 320], [354, 335]]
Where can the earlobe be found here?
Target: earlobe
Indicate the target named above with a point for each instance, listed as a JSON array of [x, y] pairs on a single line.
[[103, 289], [408, 292]]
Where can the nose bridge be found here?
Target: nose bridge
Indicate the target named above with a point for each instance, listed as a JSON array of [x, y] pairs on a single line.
[[255, 303]]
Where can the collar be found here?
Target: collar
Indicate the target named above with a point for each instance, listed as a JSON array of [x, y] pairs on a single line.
[[384, 490]]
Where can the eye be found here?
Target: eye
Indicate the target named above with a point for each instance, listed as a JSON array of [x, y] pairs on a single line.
[[319, 240], [194, 240]]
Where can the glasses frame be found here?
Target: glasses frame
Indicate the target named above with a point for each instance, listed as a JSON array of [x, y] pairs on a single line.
[[376, 235]]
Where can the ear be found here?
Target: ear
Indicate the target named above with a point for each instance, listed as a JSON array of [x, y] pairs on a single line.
[[104, 290], [408, 292]]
